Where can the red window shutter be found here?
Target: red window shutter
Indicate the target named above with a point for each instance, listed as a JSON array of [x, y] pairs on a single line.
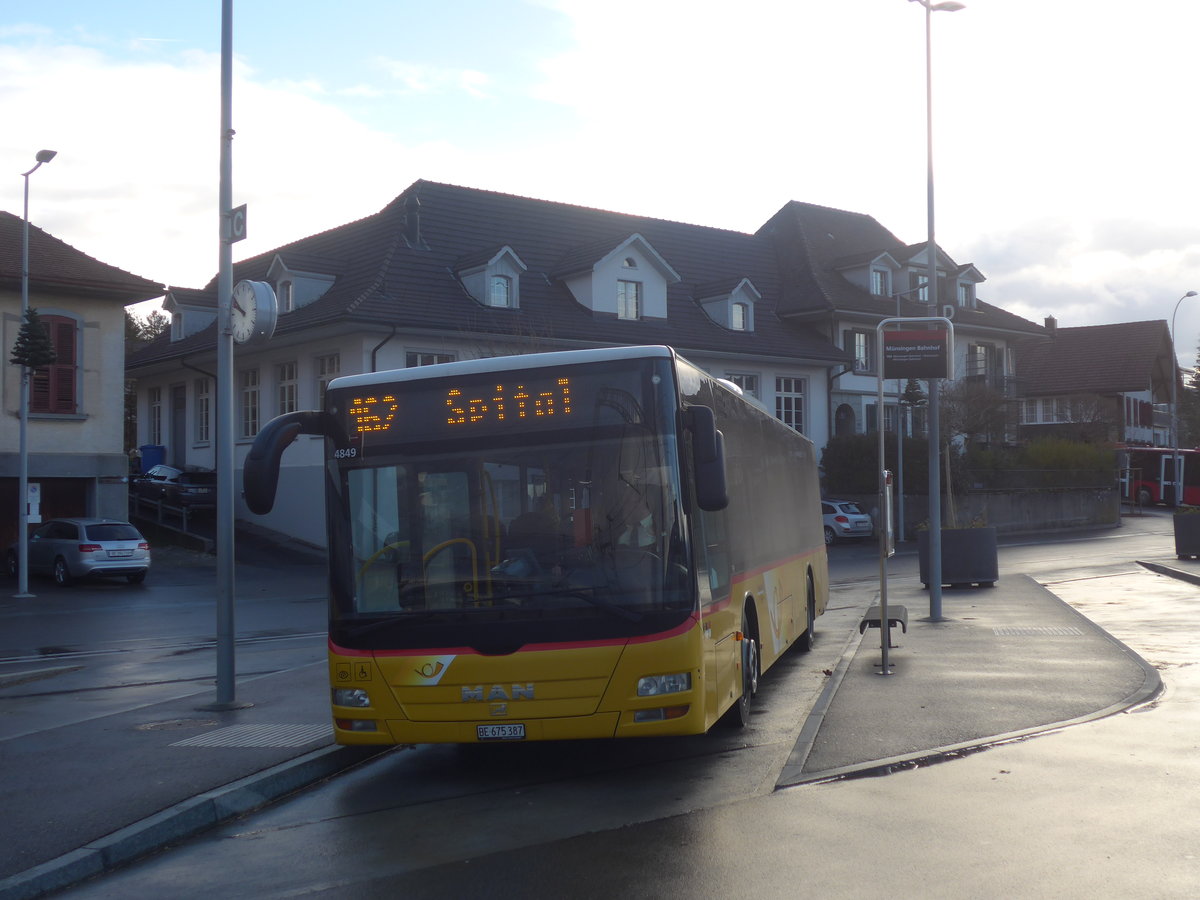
[[52, 389]]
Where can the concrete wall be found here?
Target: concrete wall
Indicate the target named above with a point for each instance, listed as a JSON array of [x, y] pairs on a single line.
[[1014, 512]]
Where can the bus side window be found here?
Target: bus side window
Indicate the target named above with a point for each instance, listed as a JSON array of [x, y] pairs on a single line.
[[713, 551]]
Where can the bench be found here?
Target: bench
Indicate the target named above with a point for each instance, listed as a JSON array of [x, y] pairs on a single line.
[[897, 615]]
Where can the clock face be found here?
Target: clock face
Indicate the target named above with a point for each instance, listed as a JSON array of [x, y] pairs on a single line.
[[244, 312], [252, 311]]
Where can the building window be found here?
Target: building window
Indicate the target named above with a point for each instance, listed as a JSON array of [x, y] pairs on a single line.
[[328, 368], [966, 294], [881, 282], [746, 381], [415, 358], [285, 374], [629, 299], [248, 403], [1031, 411], [202, 410], [862, 345], [918, 280], [154, 432], [789, 402], [629, 263], [52, 387], [739, 319], [501, 291], [287, 301]]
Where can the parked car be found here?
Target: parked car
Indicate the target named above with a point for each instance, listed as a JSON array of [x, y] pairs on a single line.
[[845, 519], [190, 488], [67, 549]]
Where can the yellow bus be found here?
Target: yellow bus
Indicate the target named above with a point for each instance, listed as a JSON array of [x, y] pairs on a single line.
[[583, 544]]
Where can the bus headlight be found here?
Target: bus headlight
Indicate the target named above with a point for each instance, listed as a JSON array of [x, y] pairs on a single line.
[[355, 697], [653, 685]]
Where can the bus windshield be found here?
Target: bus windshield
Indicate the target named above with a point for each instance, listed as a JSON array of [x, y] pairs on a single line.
[[574, 531]]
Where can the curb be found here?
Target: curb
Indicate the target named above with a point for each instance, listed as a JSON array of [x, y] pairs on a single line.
[[183, 820], [1161, 569]]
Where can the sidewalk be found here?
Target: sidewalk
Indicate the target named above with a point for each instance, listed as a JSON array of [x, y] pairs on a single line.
[[1006, 662]]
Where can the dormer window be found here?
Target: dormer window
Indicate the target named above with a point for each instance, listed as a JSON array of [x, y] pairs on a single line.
[[739, 318], [881, 282], [729, 302], [966, 294], [492, 277], [287, 301], [629, 299], [501, 292]]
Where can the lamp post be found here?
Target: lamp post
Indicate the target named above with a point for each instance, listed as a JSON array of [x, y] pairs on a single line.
[[1176, 479], [43, 156], [935, 482]]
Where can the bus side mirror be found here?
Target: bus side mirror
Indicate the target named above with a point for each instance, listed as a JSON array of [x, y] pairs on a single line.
[[260, 472], [708, 451]]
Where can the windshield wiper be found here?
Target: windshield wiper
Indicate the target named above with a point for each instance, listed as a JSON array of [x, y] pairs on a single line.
[[586, 594]]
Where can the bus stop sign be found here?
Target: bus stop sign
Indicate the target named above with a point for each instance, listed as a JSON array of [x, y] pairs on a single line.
[[916, 354]]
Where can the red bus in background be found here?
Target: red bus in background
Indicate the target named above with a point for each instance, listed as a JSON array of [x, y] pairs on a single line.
[[1148, 475]]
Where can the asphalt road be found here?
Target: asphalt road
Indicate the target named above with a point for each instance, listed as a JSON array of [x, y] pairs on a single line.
[[1104, 809]]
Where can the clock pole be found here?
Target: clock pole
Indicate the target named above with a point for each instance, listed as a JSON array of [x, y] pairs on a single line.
[[225, 388]]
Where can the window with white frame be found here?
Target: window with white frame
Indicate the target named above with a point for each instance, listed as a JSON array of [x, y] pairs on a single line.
[[500, 292], [789, 401], [203, 410], [966, 294], [248, 403], [287, 299], [739, 318], [414, 358], [286, 388], [629, 299], [881, 282], [1030, 410], [327, 368], [747, 381], [862, 345], [154, 395]]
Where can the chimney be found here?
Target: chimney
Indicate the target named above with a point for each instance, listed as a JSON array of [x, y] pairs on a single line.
[[412, 220], [1051, 326]]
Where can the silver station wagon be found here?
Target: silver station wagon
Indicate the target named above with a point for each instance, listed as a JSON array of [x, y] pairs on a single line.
[[67, 549]]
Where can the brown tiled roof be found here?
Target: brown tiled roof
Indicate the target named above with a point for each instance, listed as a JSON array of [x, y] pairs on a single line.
[[385, 281], [57, 267], [1097, 359]]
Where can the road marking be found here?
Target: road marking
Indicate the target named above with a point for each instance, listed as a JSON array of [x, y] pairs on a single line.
[[260, 736]]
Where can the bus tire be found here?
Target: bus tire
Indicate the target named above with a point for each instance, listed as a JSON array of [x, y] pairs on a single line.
[[738, 715], [809, 638], [1144, 498]]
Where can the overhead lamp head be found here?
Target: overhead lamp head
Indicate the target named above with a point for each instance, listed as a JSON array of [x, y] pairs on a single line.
[[1190, 294], [948, 6], [44, 156]]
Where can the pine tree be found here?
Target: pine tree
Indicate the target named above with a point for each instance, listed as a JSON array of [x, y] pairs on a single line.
[[33, 348]]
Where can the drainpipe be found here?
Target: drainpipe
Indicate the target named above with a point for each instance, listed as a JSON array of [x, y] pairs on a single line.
[[375, 350]]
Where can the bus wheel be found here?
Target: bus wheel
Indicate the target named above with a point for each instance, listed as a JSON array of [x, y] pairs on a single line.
[[1144, 498], [810, 632], [739, 714]]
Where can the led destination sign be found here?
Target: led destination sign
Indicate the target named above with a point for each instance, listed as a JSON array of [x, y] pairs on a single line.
[[445, 407]]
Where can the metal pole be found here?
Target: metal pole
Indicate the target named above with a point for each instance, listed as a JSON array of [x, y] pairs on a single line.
[[1176, 475], [43, 156], [23, 481], [225, 392]]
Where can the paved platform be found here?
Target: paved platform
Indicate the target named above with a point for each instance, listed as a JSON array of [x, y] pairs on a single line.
[[1006, 662], [1002, 663]]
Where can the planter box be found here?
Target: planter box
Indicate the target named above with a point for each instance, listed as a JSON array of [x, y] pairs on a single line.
[[968, 556], [1187, 535]]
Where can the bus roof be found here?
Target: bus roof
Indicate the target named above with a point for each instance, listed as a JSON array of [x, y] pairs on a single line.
[[504, 364]]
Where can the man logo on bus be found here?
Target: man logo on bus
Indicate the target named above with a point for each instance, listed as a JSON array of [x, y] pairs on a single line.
[[497, 692]]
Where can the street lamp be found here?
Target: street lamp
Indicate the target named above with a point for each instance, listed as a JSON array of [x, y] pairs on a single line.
[[1175, 467], [43, 156], [935, 482]]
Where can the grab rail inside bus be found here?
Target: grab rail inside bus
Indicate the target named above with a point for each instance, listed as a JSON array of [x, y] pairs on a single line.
[[260, 472]]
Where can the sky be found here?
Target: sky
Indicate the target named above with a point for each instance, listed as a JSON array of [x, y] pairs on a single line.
[[1064, 138]]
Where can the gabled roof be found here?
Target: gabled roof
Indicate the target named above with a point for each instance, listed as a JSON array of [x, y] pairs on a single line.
[[1097, 359], [387, 281], [57, 267], [814, 244]]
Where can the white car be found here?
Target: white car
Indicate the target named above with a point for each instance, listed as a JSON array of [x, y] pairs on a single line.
[[845, 519]]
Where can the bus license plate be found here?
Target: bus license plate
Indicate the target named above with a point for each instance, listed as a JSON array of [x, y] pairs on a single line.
[[510, 731]]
